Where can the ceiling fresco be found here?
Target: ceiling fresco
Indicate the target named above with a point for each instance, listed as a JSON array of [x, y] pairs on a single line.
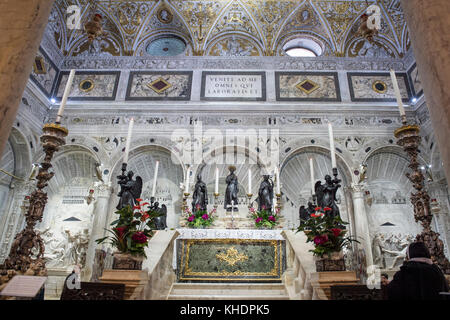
[[229, 27]]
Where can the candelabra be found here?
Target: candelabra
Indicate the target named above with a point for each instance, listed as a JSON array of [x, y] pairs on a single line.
[[249, 197], [278, 206], [408, 137], [216, 195], [27, 250], [185, 204]]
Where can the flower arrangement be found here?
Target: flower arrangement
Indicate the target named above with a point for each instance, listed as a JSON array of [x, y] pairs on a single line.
[[325, 231], [199, 218], [133, 229], [265, 218]]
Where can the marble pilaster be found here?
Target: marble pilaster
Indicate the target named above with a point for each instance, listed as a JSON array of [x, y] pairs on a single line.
[[361, 222]]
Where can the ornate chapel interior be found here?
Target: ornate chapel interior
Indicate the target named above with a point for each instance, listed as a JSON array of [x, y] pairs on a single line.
[[186, 71]]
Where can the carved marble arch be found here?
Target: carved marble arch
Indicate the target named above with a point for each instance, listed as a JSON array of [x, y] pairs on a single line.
[[142, 161], [142, 44], [295, 177], [240, 157], [16, 158], [388, 191], [324, 44], [234, 44]]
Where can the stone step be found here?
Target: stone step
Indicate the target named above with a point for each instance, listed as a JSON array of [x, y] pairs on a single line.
[[228, 291]]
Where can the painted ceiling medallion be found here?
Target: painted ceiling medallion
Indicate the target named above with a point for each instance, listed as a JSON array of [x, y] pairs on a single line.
[[164, 15], [379, 86], [307, 86], [159, 85], [87, 85]]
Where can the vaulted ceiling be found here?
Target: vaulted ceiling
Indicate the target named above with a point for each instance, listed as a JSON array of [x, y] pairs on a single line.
[[230, 27]]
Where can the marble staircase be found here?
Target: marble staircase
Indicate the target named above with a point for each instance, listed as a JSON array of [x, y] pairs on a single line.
[[228, 291]]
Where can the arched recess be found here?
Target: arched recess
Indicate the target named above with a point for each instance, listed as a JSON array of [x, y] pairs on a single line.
[[142, 161], [295, 178], [67, 212], [16, 160], [388, 205], [240, 157]]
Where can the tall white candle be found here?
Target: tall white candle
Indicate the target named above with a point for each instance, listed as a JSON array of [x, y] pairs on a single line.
[[249, 181], [127, 146], [65, 95], [398, 96], [216, 189], [186, 190], [277, 177], [311, 169], [333, 152], [154, 178]]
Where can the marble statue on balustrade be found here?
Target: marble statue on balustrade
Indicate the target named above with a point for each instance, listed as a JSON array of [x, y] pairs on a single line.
[[265, 194], [161, 220], [200, 195], [130, 190], [326, 194], [305, 213], [232, 190]]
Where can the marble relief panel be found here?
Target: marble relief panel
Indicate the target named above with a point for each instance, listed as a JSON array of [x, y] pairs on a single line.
[[414, 78], [90, 85], [377, 87], [307, 86], [44, 72], [156, 85]]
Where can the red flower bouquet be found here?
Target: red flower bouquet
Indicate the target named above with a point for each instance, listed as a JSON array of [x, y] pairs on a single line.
[[325, 231]]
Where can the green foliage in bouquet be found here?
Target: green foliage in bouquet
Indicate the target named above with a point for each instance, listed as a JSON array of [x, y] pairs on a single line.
[[264, 218], [200, 218], [325, 231], [133, 229]]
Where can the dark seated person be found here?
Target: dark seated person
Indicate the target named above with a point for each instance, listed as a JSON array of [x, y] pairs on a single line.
[[418, 278]]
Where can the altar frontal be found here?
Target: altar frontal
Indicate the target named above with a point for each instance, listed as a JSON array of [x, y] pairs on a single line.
[[230, 260]]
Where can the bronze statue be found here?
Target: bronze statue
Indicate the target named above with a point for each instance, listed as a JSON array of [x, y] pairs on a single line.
[[232, 190], [265, 194], [130, 190], [305, 213], [161, 220], [326, 194], [200, 195]]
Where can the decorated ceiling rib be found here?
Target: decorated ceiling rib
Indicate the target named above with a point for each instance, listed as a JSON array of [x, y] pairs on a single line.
[[229, 27]]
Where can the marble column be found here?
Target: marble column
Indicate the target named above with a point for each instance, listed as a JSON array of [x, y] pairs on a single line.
[[362, 222], [22, 24], [102, 195], [429, 25]]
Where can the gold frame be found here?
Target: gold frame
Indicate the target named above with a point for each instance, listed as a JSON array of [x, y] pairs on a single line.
[[379, 91], [42, 61], [158, 14], [150, 85], [299, 86], [275, 273], [80, 86]]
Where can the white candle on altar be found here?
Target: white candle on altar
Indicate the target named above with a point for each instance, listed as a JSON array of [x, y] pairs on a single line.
[[154, 179], [186, 190], [249, 181], [127, 146], [398, 96], [311, 168], [216, 189], [65, 95], [333, 152], [277, 177]]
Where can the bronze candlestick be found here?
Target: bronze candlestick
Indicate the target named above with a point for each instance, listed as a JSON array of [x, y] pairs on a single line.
[[409, 138], [27, 250]]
